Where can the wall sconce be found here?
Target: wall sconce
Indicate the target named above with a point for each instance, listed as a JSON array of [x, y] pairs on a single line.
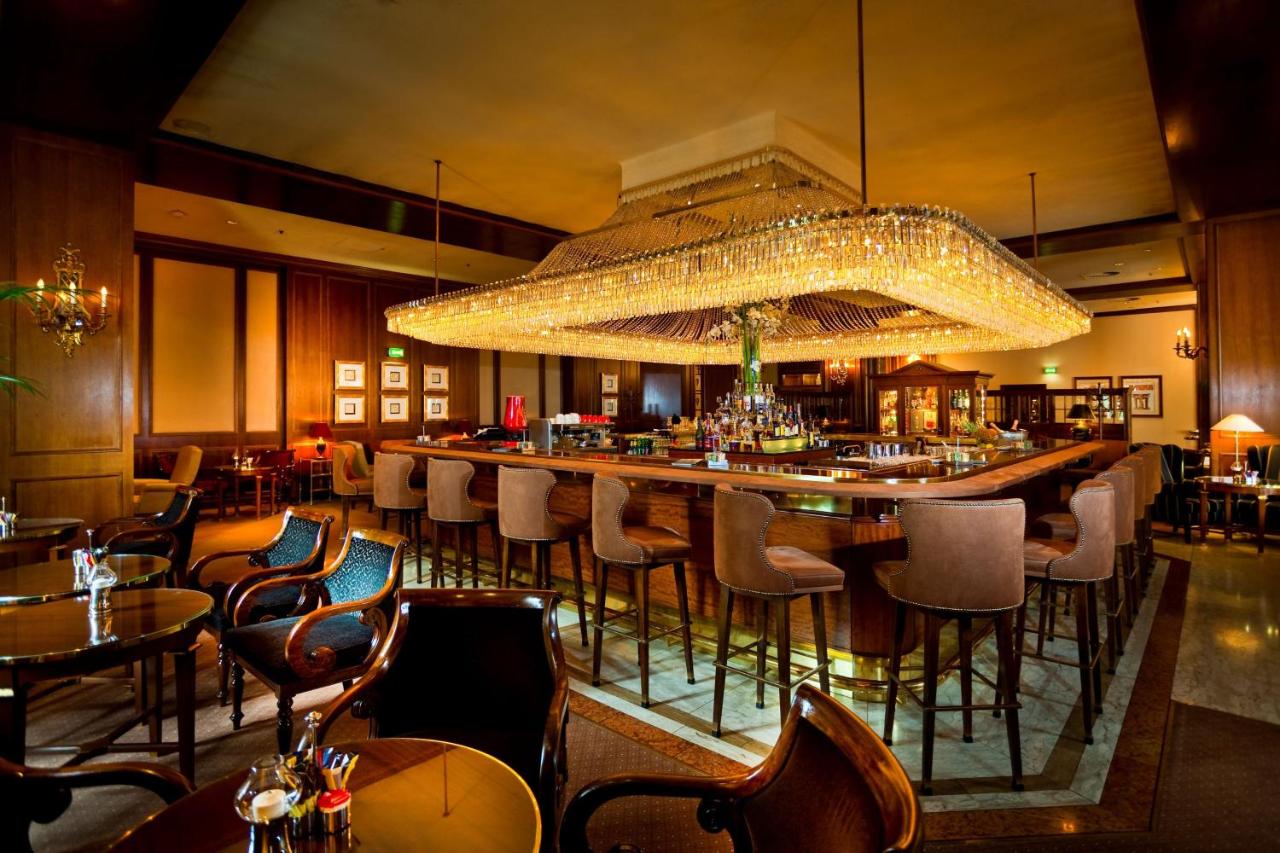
[[65, 309], [838, 370], [1183, 347]]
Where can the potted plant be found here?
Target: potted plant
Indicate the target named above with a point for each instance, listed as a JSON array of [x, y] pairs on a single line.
[[13, 384]]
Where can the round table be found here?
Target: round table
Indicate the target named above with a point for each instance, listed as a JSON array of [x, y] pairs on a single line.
[[236, 475], [58, 639], [407, 794], [34, 534], [36, 583]]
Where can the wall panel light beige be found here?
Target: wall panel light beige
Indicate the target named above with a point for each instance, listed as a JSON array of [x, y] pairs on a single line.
[[554, 403], [485, 383], [193, 348], [520, 376], [262, 349]]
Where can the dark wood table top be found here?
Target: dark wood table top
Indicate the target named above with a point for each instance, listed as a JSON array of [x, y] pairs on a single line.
[[1228, 484], [34, 634], [27, 529], [398, 803], [36, 583], [237, 471]]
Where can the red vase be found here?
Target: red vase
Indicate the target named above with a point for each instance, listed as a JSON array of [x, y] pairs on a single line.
[[513, 419]]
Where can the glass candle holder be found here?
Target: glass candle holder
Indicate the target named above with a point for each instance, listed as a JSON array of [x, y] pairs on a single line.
[[265, 799]]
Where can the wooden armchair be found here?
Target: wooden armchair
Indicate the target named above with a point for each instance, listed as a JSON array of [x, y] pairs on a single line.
[[505, 693], [165, 534], [33, 795], [829, 784], [344, 613], [150, 494], [297, 549]]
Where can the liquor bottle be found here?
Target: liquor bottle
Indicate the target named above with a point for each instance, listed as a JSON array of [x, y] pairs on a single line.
[[700, 437], [305, 822]]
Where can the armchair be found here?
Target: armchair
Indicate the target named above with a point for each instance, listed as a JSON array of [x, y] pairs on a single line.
[[348, 484], [165, 534], [510, 688], [151, 494], [33, 795], [341, 618], [829, 784], [297, 549]]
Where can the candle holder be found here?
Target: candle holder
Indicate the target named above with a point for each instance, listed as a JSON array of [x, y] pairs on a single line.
[[264, 800]]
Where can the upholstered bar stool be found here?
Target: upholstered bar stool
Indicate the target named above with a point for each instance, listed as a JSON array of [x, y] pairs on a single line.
[[525, 516], [772, 575], [451, 507], [1153, 465], [1133, 569], [391, 493], [964, 561], [640, 550], [346, 484]]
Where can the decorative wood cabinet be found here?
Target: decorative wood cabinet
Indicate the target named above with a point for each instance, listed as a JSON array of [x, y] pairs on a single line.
[[927, 399]]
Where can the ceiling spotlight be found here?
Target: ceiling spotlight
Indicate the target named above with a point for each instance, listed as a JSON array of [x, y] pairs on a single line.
[[177, 214], [233, 222], [190, 125]]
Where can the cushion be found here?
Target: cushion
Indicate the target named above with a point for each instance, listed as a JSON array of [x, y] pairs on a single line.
[[886, 568], [809, 573], [1059, 525], [489, 508], [659, 544], [262, 644], [274, 602], [1038, 553], [573, 525]]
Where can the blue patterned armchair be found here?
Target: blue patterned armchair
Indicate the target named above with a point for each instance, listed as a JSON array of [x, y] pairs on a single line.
[[341, 618], [165, 534], [297, 549]]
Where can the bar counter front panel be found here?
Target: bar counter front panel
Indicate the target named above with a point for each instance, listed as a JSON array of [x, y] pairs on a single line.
[[842, 515]]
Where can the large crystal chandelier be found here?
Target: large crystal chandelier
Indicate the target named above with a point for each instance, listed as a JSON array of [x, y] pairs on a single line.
[[680, 256]]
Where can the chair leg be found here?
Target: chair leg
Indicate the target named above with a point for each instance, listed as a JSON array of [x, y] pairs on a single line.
[[762, 648], [382, 520], [1082, 649], [783, 619], [224, 674], [284, 724], [237, 694], [496, 542], [346, 513], [723, 618], [932, 628], [682, 594], [642, 632], [417, 539], [504, 565], [964, 627], [1046, 607], [1095, 646], [1007, 675], [473, 540], [437, 568], [575, 559], [895, 669], [602, 584]]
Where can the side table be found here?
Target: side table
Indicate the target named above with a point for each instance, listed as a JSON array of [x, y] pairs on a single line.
[[319, 476]]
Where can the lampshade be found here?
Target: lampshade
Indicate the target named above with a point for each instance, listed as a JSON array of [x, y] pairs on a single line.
[[1080, 412], [320, 429], [1237, 423]]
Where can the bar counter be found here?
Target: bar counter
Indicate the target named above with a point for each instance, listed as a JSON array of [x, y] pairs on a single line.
[[842, 515]]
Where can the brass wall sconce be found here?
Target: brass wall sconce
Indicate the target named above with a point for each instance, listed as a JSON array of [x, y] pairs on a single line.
[[67, 309], [1184, 349], [838, 370]]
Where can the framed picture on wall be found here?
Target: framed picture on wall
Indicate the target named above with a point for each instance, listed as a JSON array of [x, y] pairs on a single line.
[[395, 409], [348, 408], [608, 383], [1147, 399], [609, 407], [697, 380], [1090, 382], [435, 377], [348, 376], [435, 408], [395, 376]]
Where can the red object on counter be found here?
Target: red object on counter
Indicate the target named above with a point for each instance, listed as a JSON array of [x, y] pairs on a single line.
[[513, 418]]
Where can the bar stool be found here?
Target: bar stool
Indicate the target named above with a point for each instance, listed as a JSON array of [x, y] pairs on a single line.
[[1133, 569], [525, 515], [347, 485], [391, 493], [640, 550], [449, 506], [1153, 464], [774, 575], [1080, 566], [964, 559]]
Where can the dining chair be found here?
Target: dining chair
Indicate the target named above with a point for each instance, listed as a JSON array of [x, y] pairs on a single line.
[[165, 534], [506, 693], [296, 549], [39, 795], [829, 783], [151, 494], [332, 636]]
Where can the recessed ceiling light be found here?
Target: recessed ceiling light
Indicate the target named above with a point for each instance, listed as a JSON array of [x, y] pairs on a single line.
[[190, 125], [177, 214], [1102, 274], [233, 222], [1118, 264], [1148, 251]]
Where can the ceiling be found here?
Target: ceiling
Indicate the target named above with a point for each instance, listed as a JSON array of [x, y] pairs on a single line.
[[533, 111]]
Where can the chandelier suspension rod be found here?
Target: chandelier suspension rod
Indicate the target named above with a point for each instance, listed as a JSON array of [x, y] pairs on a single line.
[[1035, 233], [437, 230], [862, 115]]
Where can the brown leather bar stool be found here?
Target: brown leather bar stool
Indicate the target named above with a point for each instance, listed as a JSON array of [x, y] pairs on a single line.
[[1079, 566], [640, 550], [1133, 569], [964, 562], [391, 493], [449, 506], [525, 515], [1153, 464], [774, 575], [347, 485]]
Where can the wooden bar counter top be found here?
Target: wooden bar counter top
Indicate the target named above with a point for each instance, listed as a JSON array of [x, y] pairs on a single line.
[[843, 515]]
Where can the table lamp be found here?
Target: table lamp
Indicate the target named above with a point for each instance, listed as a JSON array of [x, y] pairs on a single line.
[[320, 431], [1237, 424], [1081, 414]]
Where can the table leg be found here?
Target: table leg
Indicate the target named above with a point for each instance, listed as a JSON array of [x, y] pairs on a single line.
[[1228, 500], [184, 676], [13, 722], [257, 496], [1204, 514], [1262, 522], [157, 712]]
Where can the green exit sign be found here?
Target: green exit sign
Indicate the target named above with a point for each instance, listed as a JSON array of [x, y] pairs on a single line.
[[1050, 370], [395, 352]]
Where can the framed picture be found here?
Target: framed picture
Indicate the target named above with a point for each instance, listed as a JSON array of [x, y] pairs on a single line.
[[1090, 382], [609, 383], [609, 407], [1147, 400], [435, 408], [395, 409], [348, 376], [697, 380], [435, 377], [395, 376], [348, 408]]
